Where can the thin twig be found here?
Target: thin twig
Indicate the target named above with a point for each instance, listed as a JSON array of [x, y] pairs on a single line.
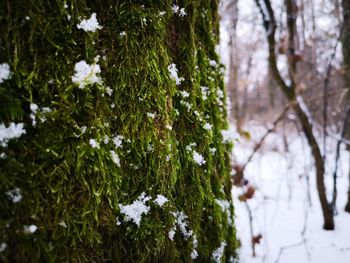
[[250, 215], [302, 242], [287, 247]]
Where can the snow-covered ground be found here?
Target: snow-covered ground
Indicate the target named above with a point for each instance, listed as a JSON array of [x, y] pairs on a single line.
[[285, 213]]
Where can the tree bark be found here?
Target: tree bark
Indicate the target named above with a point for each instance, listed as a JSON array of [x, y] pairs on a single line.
[[114, 115], [346, 63]]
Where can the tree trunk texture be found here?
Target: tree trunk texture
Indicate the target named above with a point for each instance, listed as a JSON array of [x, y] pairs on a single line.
[[83, 183], [346, 63]]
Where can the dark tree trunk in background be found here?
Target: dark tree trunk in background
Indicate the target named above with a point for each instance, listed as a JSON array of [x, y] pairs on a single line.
[[346, 62], [108, 139], [233, 65], [291, 95], [233, 81]]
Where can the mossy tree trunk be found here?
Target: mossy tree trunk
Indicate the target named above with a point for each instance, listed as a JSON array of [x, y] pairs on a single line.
[[118, 162], [346, 63]]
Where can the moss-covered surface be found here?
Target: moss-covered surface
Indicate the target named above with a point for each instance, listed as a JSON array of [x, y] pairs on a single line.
[[70, 190]]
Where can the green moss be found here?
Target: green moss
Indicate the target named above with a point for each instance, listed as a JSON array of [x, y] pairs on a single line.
[[65, 181]]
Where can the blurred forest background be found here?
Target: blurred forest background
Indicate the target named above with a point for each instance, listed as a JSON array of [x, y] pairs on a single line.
[[287, 78]]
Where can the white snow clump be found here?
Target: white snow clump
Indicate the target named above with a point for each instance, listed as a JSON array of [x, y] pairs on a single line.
[[15, 195], [182, 12], [177, 10], [134, 211], [93, 143], [63, 224], [89, 25], [4, 72], [86, 74], [207, 126], [173, 74], [2, 247], [198, 158], [194, 253], [172, 232], [217, 254], [225, 207], [184, 93], [118, 141], [151, 115], [12, 132], [161, 200], [30, 229], [205, 92], [115, 158], [212, 63], [220, 96], [181, 222], [34, 109], [224, 204]]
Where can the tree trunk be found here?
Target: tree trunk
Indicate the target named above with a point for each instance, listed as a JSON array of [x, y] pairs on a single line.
[[233, 82], [290, 93], [346, 63], [319, 166], [114, 162], [347, 206]]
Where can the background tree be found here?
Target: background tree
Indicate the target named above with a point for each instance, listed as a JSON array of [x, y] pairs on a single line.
[[289, 89], [229, 16], [346, 63], [113, 133], [272, 143]]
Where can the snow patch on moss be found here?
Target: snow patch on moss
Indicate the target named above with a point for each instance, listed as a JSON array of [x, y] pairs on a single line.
[[14, 195], [3, 246], [225, 208], [198, 158], [161, 200], [94, 143], [89, 25], [30, 229], [194, 253], [11, 132], [115, 158], [5, 72], [181, 222], [118, 141], [218, 253], [85, 74], [134, 211], [173, 74]]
